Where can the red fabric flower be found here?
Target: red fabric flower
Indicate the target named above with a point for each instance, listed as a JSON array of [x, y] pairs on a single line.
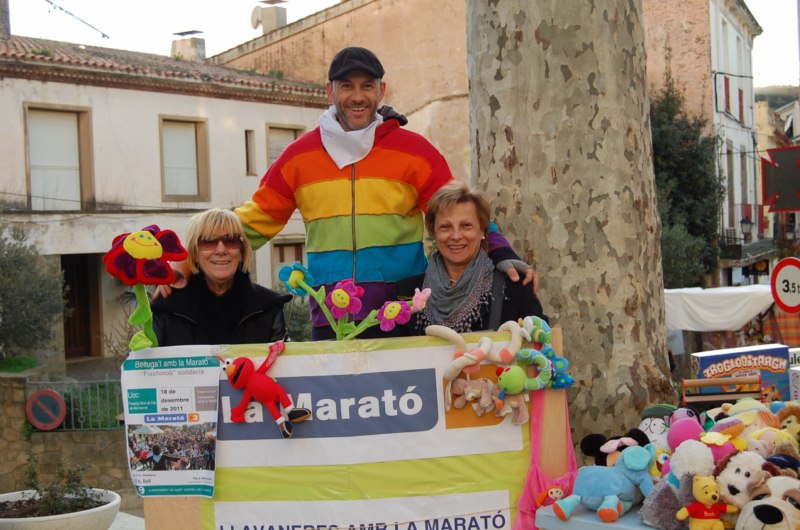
[[141, 257]]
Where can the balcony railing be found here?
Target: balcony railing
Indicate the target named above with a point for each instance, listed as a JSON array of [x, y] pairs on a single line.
[[737, 248]]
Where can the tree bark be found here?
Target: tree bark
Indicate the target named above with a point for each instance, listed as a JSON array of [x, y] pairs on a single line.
[[560, 131]]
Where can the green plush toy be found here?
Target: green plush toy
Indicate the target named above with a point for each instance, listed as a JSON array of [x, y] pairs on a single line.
[[513, 379]]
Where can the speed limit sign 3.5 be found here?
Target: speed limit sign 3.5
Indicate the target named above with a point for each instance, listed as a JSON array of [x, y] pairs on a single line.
[[785, 283]]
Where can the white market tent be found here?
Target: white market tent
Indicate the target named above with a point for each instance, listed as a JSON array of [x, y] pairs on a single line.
[[715, 309]]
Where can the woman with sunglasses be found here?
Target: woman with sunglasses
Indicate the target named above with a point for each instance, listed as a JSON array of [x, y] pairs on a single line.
[[219, 305]]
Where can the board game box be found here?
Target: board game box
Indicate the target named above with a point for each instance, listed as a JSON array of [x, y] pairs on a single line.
[[770, 360]]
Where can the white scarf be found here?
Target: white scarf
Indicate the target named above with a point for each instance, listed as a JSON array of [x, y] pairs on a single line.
[[346, 147]]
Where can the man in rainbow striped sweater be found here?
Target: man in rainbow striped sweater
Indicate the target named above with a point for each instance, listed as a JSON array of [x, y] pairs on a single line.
[[361, 184]]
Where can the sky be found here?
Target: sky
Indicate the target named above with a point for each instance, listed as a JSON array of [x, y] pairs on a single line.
[[775, 51], [148, 26]]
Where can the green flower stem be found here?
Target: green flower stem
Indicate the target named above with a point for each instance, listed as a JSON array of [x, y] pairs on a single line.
[[143, 316], [366, 323], [319, 297], [340, 328]]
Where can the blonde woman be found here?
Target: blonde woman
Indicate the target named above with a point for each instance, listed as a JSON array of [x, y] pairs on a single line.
[[219, 305]]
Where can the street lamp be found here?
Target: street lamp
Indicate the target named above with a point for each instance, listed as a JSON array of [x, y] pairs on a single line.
[[747, 226]]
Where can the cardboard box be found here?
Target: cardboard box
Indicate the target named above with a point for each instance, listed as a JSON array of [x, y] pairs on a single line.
[[794, 357], [770, 360], [794, 383]]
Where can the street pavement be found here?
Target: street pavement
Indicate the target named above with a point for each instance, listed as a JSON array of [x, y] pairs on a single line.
[[126, 521]]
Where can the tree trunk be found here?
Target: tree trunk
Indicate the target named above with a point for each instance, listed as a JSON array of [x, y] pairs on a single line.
[[559, 121]]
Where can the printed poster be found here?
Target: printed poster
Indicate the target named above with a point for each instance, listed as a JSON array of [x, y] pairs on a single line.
[[170, 397]]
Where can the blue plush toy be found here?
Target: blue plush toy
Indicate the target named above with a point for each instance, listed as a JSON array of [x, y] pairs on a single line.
[[611, 491]]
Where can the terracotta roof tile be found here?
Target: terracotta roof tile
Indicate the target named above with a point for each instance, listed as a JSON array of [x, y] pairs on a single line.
[[32, 51]]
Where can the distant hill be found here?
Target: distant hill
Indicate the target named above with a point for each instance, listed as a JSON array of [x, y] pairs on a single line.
[[777, 96]]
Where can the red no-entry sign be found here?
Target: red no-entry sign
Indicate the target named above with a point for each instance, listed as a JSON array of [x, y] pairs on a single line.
[[785, 283], [45, 409]]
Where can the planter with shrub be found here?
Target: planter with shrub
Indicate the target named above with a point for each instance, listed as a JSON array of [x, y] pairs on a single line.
[[64, 504]]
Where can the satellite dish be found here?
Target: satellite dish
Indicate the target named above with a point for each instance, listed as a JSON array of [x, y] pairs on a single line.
[[255, 17]]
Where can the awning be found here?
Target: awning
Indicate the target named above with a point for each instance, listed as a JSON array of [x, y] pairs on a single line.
[[715, 309]]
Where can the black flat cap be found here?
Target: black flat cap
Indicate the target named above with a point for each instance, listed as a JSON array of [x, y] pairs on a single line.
[[354, 58]]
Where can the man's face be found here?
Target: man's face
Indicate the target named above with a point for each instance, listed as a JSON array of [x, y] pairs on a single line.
[[356, 98]]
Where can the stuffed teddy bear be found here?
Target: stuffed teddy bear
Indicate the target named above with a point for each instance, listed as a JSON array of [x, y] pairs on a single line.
[[611, 491], [786, 456], [789, 416], [737, 474], [704, 513], [756, 416], [674, 490], [768, 437], [473, 390], [774, 506], [690, 429], [514, 405], [606, 451]]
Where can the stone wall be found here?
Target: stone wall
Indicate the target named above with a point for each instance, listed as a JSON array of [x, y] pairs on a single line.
[[104, 452], [686, 34], [424, 55]]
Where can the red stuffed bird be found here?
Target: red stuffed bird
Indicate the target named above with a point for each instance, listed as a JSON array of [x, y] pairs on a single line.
[[257, 385]]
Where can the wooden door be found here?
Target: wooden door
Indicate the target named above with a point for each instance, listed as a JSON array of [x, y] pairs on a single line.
[[77, 325]]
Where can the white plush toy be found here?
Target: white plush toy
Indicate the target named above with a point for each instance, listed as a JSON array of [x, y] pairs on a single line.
[[738, 474], [774, 506]]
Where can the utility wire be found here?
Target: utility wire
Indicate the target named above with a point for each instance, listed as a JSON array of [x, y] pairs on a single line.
[[76, 17], [130, 208]]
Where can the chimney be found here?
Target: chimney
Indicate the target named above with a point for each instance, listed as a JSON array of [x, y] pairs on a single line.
[[269, 18], [5, 21], [191, 49]]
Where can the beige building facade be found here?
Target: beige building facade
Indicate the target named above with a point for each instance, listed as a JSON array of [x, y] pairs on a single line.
[[97, 142]]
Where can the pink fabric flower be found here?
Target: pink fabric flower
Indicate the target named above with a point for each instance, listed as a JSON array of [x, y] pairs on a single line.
[[344, 298], [393, 313]]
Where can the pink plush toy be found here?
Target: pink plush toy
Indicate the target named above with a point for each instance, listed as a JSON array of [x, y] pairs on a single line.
[[689, 429]]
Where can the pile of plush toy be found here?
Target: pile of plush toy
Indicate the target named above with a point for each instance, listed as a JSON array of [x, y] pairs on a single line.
[[507, 395], [732, 467]]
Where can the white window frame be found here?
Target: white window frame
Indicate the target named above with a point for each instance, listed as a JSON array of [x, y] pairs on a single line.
[[201, 159], [85, 156]]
